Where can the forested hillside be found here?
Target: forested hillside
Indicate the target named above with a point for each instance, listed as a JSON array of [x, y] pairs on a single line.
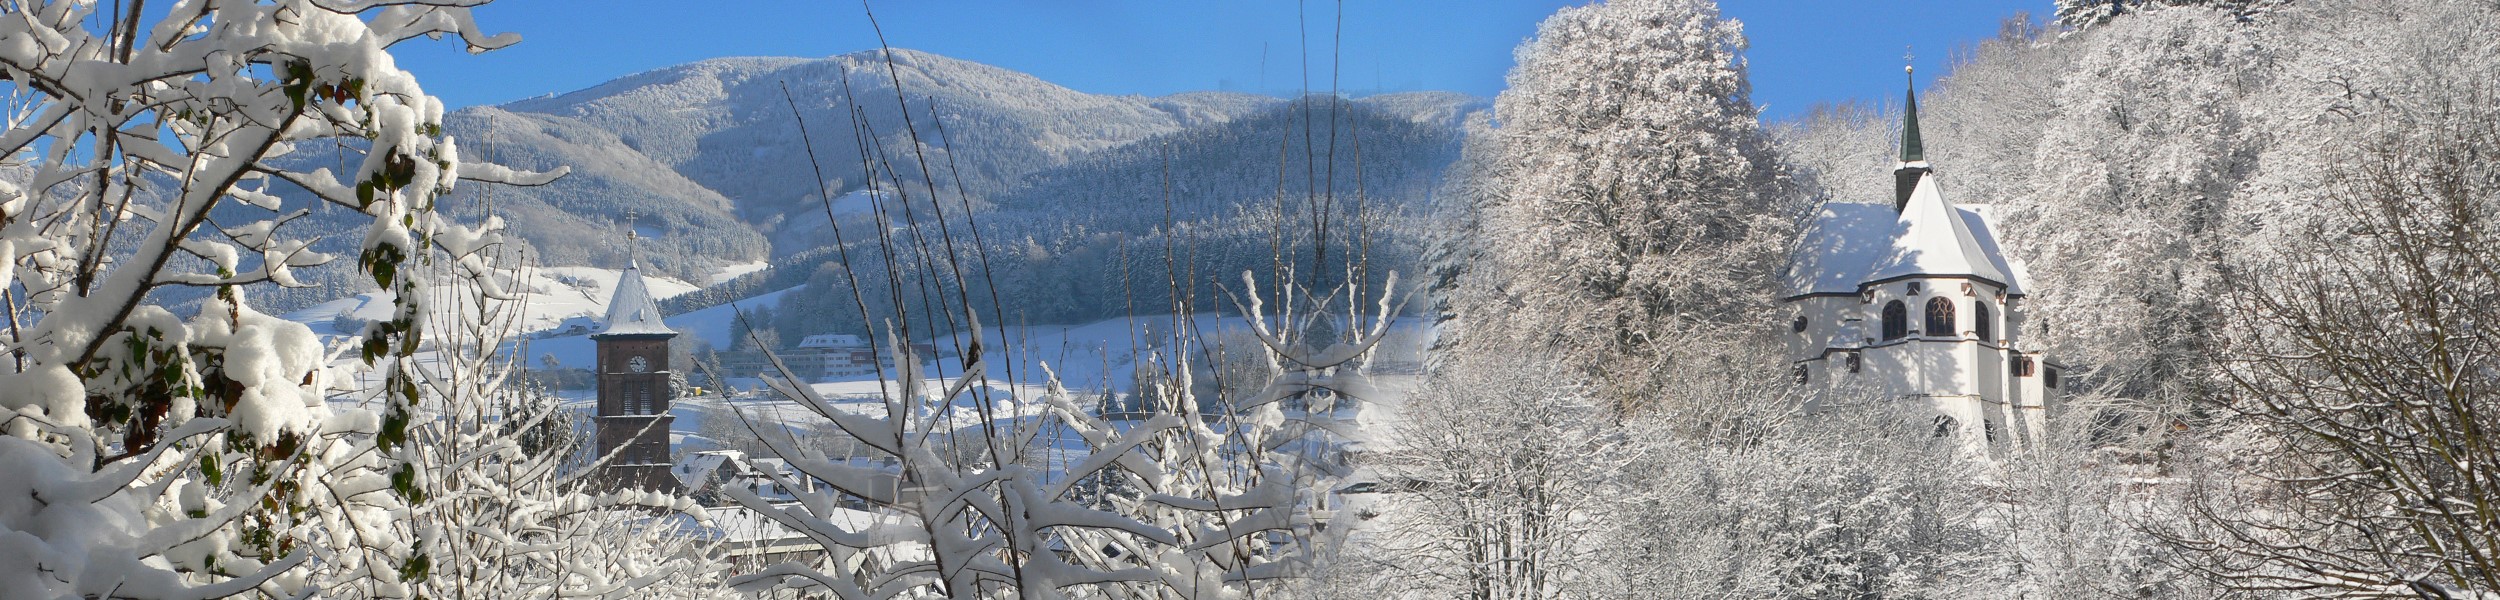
[[1089, 240], [706, 160]]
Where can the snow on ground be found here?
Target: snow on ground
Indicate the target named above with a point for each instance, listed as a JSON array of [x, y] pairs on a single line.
[[733, 271], [557, 297], [712, 325], [857, 202]]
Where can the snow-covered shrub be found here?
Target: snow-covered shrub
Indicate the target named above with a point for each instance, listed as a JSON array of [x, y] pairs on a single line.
[[154, 455]]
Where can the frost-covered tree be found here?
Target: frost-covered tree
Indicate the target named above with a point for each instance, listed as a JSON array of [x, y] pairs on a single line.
[[2082, 14], [153, 455], [2362, 363], [505, 501], [1493, 485], [1633, 198], [2125, 217]]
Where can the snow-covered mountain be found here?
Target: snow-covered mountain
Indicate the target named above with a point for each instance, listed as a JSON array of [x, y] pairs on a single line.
[[708, 163], [697, 148]]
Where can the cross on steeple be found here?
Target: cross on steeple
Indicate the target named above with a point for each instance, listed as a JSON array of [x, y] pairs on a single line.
[[633, 239]]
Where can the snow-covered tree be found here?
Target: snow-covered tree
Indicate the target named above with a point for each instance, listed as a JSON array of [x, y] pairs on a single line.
[[505, 502], [1633, 200], [2125, 218], [151, 455], [2081, 14], [2361, 362]]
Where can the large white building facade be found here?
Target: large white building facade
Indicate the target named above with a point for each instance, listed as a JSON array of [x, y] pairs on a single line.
[[1914, 302]]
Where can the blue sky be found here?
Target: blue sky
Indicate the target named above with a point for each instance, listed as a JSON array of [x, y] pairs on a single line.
[[1804, 51]]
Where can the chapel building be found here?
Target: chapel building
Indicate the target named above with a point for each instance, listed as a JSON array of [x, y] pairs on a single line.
[[1915, 301]]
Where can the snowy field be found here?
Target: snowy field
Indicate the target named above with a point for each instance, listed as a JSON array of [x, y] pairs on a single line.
[[556, 297]]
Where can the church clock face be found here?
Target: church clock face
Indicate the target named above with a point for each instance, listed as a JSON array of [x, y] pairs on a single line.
[[638, 364]]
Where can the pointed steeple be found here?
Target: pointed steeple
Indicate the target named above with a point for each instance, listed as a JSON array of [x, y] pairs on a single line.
[[632, 311], [1911, 149], [1913, 166]]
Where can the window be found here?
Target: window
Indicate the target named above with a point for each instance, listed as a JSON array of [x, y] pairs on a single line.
[[1802, 376], [2050, 378], [1915, 287], [1896, 320], [1991, 426], [1940, 316], [1799, 326], [1854, 362], [2022, 367], [642, 398], [1981, 321], [1945, 426]]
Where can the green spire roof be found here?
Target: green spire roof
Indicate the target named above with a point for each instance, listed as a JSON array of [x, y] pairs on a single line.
[[1911, 149]]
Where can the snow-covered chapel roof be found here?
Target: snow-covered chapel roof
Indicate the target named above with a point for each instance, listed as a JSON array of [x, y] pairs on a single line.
[[1851, 245], [632, 311], [1933, 237]]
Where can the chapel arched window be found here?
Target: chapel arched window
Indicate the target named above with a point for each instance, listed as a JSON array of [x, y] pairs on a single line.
[[1940, 316], [1985, 323], [1896, 320]]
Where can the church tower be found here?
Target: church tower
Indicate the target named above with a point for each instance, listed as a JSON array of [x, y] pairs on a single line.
[[634, 390]]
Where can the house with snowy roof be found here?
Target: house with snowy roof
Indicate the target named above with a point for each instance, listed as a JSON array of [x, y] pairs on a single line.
[[1916, 301]]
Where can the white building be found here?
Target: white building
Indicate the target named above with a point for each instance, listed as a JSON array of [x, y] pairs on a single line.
[[1915, 301]]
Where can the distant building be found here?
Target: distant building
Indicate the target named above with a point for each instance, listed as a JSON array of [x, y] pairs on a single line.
[[774, 480], [820, 357], [1920, 304], [634, 390]]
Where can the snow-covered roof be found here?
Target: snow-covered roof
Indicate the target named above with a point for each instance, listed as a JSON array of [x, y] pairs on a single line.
[[832, 340], [632, 311], [1934, 238], [1849, 245], [1839, 245]]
